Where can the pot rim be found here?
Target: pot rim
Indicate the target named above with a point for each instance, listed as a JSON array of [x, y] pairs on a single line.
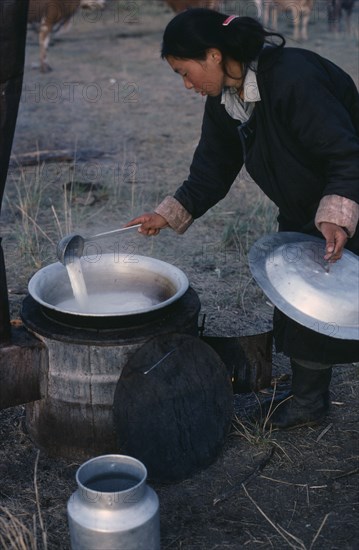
[[173, 274]]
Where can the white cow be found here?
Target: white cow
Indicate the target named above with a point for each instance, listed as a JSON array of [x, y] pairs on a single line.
[[299, 10]]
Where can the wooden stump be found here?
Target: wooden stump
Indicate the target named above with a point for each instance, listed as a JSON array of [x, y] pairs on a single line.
[[248, 359]]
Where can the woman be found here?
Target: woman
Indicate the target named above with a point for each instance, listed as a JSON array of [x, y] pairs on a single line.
[[292, 118]]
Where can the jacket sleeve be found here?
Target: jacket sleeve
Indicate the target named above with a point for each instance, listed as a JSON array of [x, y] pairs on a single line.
[[317, 105], [338, 210], [216, 163]]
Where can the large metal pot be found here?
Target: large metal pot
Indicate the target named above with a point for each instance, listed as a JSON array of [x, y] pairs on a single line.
[[137, 284]]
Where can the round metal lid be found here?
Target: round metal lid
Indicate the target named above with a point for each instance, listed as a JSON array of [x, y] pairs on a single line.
[[291, 270]]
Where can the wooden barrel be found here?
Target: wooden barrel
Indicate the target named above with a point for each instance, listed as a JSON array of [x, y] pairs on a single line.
[[74, 417]]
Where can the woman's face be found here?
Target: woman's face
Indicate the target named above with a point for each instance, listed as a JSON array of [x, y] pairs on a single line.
[[204, 77]]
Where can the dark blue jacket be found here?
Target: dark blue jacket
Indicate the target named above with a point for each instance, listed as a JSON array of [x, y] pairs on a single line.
[[301, 143]]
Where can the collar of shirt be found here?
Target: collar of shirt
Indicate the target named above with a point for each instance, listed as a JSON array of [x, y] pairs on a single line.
[[234, 105]]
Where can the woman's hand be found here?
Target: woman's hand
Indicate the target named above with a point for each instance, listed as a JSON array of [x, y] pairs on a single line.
[[152, 224], [336, 238]]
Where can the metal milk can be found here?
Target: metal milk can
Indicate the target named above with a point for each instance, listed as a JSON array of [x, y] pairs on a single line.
[[113, 507]]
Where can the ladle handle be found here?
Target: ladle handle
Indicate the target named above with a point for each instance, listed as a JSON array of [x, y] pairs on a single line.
[[113, 232]]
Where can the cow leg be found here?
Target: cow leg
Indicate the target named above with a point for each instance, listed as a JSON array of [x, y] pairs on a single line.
[[296, 17], [265, 12], [274, 17], [334, 14], [330, 13], [347, 22], [44, 39], [348, 8], [259, 8], [305, 21]]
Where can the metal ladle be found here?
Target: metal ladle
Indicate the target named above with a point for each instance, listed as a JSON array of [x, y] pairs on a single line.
[[72, 245]]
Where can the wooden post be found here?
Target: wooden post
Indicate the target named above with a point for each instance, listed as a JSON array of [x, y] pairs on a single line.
[[5, 330], [247, 358], [13, 25], [258, 356], [21, 363]]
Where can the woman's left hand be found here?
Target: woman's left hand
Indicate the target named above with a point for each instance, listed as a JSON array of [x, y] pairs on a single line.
[[336, 239]]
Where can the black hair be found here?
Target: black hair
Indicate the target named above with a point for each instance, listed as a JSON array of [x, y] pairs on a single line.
[[192, 32]]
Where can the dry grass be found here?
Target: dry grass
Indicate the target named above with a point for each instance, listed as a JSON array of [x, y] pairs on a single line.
[[43, 217], [306, 496], [14, 534], [29, 203], [291, 540]]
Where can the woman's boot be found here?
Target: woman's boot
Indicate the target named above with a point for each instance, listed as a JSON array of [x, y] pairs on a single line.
[[310, 400]]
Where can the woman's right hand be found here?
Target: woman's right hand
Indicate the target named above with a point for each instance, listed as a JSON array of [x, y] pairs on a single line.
[[151, 223]]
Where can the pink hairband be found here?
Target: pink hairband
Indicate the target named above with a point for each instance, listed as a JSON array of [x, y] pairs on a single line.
[[228, 20]]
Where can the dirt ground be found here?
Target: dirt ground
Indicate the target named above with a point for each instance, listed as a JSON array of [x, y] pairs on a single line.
[[115, 128]]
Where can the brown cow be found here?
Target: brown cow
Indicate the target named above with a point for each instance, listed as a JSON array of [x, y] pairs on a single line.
[[181, 5], [300, 13], [55, 13]]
